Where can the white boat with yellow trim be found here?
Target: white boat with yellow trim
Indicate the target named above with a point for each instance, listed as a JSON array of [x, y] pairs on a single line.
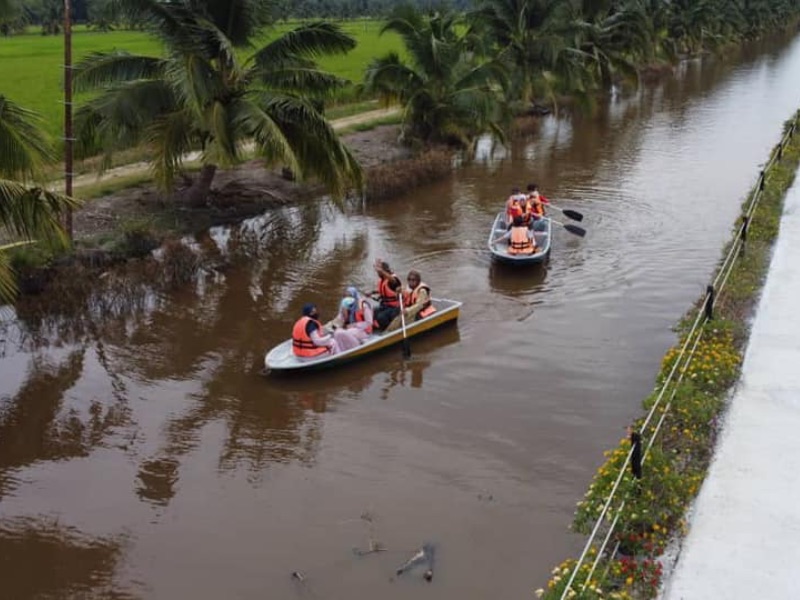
[[281, 357]]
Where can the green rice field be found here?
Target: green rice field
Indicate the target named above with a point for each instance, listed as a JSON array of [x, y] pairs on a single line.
[[31, 71]]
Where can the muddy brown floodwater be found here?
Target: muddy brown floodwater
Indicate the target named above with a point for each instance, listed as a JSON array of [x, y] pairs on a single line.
[[143, 455]]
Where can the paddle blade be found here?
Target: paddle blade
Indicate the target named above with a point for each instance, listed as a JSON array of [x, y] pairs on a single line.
[[406, 349], [573, 214], [579, 231]]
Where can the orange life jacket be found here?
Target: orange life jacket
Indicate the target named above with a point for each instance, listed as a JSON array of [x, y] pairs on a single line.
[[360, 315], [410, 299], [515, 210], [520, 243], [388, 295], [301, 342], [535, 208]]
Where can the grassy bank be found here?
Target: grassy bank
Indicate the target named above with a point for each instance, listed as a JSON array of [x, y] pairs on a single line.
[[684, 410], [31, 71]]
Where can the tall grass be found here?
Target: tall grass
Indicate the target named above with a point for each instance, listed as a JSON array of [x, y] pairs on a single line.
[[32, 74]]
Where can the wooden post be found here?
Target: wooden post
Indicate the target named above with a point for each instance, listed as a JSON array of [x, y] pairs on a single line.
[[68, 136], [710, 302]]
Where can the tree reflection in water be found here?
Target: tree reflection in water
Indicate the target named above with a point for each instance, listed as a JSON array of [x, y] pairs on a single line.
[[207, 342], [43, 559], [39, 424]]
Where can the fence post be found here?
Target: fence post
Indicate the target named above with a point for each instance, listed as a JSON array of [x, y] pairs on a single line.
[[761, 183], [636, 454], [710, 302], [745, 226], [780, 151]]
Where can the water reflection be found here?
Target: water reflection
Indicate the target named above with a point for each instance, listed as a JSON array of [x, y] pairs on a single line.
[[156, 397], [45, 559], [42, 422]]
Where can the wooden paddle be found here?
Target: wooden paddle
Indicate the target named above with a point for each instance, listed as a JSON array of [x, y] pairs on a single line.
[[568, 212], [579, 231], [406, 345]]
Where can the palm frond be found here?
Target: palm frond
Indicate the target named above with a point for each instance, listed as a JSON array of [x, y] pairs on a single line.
[[313, 141], [169, 137], [306, 81], [24, 148], [237, 20], [196, 81], [101, 69], [391, 78], [175, 22], [117, 119], [311, 41], [32, 212], [8, 282], [270, 141], [221, 149]]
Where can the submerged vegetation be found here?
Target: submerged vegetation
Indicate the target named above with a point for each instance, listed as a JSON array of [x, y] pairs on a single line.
[[655, 505]]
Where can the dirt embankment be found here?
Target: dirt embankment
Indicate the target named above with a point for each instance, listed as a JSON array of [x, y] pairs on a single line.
[[238, 193]]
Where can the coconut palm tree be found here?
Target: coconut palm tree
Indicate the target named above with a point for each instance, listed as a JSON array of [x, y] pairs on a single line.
[[532, 37], [201, 95], [448, 92], [26, 212], [612, 39]]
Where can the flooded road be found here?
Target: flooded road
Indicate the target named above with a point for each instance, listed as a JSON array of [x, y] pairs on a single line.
[[143, 455]]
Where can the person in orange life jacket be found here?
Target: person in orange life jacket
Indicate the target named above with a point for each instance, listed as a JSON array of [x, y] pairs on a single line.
[[356, 314], [535, 207], [520, 238], [514, 205], [389, 287], [416, 301], [309, 339]]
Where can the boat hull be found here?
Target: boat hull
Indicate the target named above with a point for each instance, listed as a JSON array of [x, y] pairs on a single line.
[[500, 250], [282, 359]]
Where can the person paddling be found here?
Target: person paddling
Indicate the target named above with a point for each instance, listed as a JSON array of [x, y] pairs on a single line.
[[389, 286], [534, 207], [416, 300]]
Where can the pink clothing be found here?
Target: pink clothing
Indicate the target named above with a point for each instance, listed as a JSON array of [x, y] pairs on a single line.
[[345, 340], [359, 328], [326, 340]]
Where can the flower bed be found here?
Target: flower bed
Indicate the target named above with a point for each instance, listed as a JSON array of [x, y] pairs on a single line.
[[649, 511]]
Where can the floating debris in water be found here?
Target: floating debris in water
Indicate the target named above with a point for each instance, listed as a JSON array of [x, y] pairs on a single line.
[[423, 556], [374, 546]]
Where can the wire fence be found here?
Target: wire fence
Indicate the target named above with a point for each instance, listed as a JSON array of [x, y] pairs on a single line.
[[674, 378]]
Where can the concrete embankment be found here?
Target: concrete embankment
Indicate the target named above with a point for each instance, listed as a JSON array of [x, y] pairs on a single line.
[[744, 539]]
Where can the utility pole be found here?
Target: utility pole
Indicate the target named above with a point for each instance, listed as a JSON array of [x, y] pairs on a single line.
[[68, 137]]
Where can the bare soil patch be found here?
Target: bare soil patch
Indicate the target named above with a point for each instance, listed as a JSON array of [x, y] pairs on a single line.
[[238, 193]]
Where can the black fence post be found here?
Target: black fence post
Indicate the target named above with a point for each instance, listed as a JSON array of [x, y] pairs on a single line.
[[761, 183], [745, 226], [710, 302], [636, 454]]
